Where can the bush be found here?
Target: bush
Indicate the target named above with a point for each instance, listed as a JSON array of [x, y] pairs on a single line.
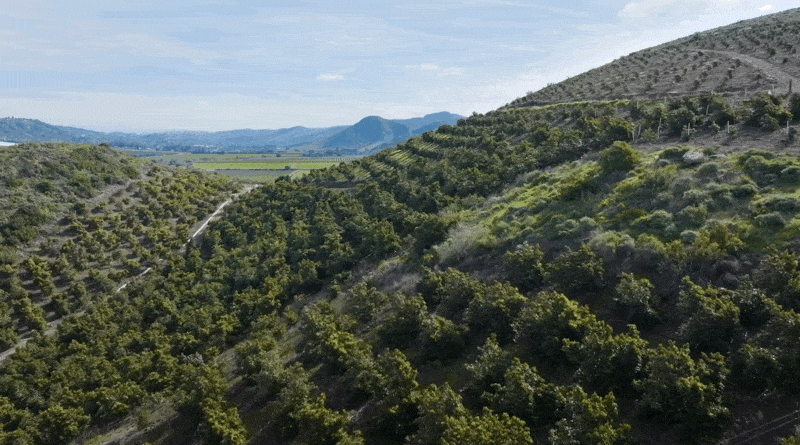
[[619, 157], [712, 317], [773, 220], [684, 390], [680, 119], [578, 270], [636, 299], [766, 111], [524, 266], [778, 277], [441, 339], [526, 394], [658, 223], [548, 319], [608, 362], [490, 366], [486, 429], [771, 358], [493, 310], [401, 320]]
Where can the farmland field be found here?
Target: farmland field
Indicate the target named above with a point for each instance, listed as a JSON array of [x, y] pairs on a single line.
[[261, 165], [249, 167]]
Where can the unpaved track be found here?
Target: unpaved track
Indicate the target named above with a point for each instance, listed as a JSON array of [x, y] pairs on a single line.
[[780, 78], [53, 325]]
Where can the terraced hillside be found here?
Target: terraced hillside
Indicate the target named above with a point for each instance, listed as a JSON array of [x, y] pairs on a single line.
[[758, 55], [595, 272], [80, 220]]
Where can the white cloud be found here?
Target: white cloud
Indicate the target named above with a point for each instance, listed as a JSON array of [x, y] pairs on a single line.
[[766, 8], [426, 67], [329, 77], [659, 8], [432, 67]]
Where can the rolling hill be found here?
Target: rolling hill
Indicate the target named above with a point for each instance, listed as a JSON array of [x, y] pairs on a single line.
[[578, 267], [367, 136]]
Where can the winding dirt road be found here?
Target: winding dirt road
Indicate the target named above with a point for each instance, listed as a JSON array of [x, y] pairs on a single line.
[[781, 79]]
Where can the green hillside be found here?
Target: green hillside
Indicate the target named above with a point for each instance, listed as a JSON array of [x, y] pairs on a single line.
[[605, 271], [77, 221]]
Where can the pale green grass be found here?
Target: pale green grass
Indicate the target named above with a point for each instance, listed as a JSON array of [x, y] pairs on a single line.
[[271, 165], [261, 176]]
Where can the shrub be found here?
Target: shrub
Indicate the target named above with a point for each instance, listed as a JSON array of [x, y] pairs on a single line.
[[744, 189], [773, 220], [548, 319], [693, 215], [673, 153], [490, 366], [493, 310], [766, 111], [486, 429], [364, 300], [713, 318], [680, 119], [579, 270], [658, 223], [636, 297], [441, 339], [619, 157], [682, 389], [524, 266], [771, 358], [526, 394], [778, 277], [717, 239], [449, 292], [608, 362], [401, 320]]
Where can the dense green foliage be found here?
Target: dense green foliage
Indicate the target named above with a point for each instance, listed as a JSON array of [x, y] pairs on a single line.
[[521, 277]]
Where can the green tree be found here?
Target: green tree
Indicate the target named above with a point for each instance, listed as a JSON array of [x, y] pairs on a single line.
[[493, 311], [550, 318], [636, 298], [486, 429], [434, 404], [608, 362], [577, 271], [712, 317], [587, 419], [526, 394], [525, 266], [58, 424], [685, 390]]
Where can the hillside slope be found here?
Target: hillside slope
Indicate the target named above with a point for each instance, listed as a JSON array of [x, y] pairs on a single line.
[[611, 271], [749, 56]]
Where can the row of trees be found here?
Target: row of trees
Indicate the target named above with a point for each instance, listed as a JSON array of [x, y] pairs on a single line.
[[449, 359]]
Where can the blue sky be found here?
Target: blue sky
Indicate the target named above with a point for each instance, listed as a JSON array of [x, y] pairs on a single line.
[[218, 65]]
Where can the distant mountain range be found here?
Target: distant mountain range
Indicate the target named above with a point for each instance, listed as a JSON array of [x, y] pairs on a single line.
[[367, 136]]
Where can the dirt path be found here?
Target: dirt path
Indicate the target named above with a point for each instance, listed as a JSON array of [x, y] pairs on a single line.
[[214, 216], [53, 325], [781, 79]]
